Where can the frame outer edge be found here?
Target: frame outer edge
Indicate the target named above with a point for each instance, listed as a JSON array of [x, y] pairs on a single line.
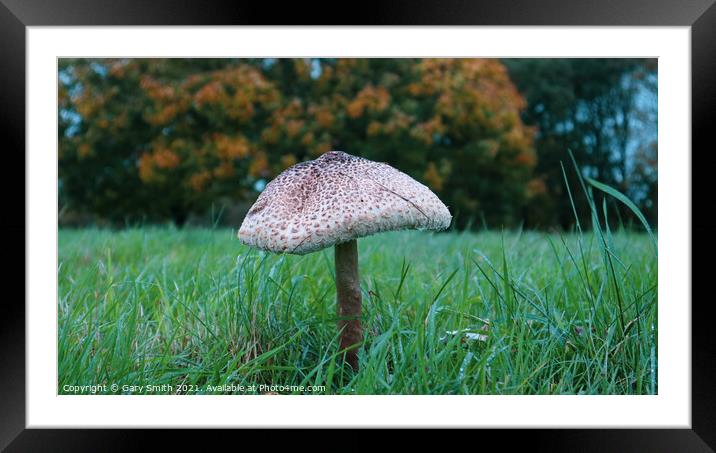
[[12, 225], [703, 112]]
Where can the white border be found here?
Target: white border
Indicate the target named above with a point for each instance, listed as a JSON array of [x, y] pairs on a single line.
[[670, 408]]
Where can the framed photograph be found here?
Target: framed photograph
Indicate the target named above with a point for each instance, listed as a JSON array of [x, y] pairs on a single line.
[[480, 220]]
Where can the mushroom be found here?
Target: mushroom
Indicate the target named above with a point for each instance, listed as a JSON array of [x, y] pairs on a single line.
[[332, 201]]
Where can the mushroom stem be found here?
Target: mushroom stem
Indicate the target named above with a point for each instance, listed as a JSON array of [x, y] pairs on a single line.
[[348, 300]]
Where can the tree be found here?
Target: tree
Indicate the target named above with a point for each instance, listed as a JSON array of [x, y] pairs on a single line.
[[452, 123], [162, 139], [588, 106]]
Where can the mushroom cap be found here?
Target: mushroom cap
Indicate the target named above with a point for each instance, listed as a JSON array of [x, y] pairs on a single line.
[[336, 198]]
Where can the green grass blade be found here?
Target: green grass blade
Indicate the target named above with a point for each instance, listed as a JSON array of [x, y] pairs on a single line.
[[624, 199]]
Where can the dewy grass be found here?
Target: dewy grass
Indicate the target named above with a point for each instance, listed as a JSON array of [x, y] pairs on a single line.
[[193, 311]]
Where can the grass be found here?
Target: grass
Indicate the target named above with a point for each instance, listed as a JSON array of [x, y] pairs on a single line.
[[449, 313]]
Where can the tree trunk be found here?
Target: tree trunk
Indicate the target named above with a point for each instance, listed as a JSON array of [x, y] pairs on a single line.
[[179, 216]]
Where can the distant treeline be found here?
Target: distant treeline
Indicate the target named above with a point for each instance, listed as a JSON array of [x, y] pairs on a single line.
[[156, 140]]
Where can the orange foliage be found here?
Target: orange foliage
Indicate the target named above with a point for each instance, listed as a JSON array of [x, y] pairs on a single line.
[[159, 158], [520, 137], [198, 181], [231, 147], [211, 93], [118, 68], [355, 108], [165, 158], [471, 92], [398, 121], [321, 148], [425, 131], [224, 170], [270, 135], [164, 115], [308, 139], [526, 158], [293, 127], [146, 167], [303, 68], [373, 129], [369, 98], [156, 90], [259, 167], [324, 118], [432, 177], [535, 187], [288, 160], [84, 150]]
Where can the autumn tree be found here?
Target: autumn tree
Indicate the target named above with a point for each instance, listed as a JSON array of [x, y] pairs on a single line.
[[452, 123], [161, 139]]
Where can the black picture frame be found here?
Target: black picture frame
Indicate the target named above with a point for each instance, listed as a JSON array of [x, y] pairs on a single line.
[[16, 15]]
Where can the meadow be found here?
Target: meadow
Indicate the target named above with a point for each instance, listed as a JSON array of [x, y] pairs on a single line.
[[194, 311]]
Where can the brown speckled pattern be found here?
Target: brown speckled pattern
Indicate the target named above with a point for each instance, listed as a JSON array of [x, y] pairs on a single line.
[[336, 198]]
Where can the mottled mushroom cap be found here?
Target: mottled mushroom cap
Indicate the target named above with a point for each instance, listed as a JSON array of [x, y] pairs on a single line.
[[336, 198]]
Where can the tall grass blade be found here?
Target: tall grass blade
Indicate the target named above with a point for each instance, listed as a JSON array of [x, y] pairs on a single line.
[[624, 199]]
